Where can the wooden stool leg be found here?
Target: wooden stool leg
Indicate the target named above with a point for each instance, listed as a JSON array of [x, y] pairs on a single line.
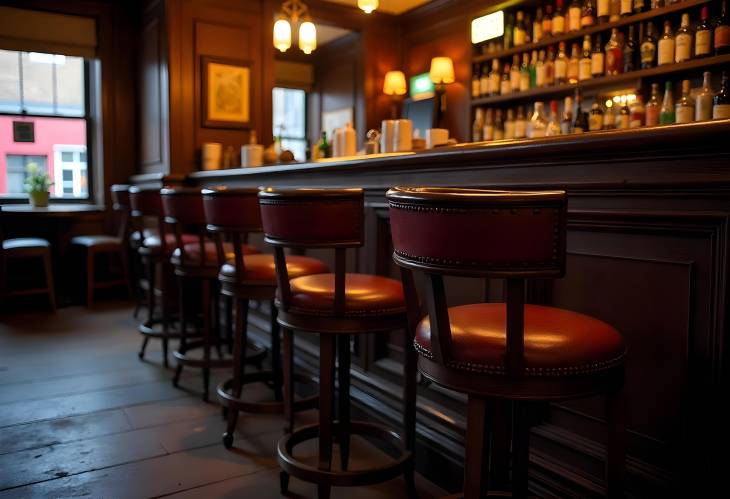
[[165, 306], [326, 389], [124, 258], [239, 367], [343, 416], [49, 280], [276, 354], [616, 445], [476, 462], [229, 323], [90, 257], [207, 335], [500, 448], [409, 405], [183, 328], [288, 379], [520, 450]]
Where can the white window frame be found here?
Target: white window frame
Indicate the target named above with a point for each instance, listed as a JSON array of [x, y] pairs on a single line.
[[76, 168]]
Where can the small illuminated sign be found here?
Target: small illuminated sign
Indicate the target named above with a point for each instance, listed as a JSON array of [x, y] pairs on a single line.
[[421, 87], [487, 27]]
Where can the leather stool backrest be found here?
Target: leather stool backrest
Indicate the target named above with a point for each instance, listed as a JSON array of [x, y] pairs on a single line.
[[183, 208], [477, 233], [312, 218], [146, 202]]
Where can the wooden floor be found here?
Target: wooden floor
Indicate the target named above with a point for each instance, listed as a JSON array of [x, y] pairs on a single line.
[[82, 416]]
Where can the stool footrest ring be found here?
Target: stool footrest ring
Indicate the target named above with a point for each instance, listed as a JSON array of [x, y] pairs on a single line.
[[256, 356], [228, 400]]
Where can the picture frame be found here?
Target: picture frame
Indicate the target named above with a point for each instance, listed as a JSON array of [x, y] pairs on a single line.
[[226, 93]]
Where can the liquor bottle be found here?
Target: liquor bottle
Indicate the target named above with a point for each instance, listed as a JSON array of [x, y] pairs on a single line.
[[537, 127], [520, 123], [584, 68], [476, 128], [721, 102], [703, 35], [498, 126], [475, 86], [488, 129], [638, 6], [528, 28], [648, 48], [615, 10], [703, 101], [580, 125], [561, 65], [525, 73], [637, 113], [550, 67], [484, 81], [595, 121], [603, 10], [624, 115], [609, 116], [519, 32], [540, 70], [657, 4], [722, 31], [683, 41], [533, 69], [495, 76], [509, 125], [614, 54], [666, 113], [666, 46], [547, 21], [652, 107], [574, 12], [559, 19], [626, 7], [684, 110], [598, 60], [566, 126], [514, 73], [553, 127], [325, 150], [586, 14], [537, 26], [508, 37], [505, 86], [574, 65], [629, 52]]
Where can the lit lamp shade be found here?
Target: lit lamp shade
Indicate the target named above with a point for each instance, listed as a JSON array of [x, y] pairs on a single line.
[[368, 6], [442, 70], [307, 37], [395, 83], [282, 35]]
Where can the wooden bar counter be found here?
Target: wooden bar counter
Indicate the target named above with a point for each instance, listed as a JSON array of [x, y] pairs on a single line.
[[647, 253]]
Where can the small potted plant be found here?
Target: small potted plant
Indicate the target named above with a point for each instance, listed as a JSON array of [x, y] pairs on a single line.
[[36, 185]]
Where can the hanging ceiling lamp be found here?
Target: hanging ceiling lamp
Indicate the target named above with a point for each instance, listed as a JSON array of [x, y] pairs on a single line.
[[368, 6], [291, 12]]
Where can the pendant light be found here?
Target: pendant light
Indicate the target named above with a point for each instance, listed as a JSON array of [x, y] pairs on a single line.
[[282, 34], [291, 12], [307, 37], [368, 6]]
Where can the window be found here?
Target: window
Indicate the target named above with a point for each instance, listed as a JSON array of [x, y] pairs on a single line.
[[290, 118], [50, 91]]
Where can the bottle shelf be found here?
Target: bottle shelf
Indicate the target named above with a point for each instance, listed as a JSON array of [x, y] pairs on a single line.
[[597, 28], [601, 81]]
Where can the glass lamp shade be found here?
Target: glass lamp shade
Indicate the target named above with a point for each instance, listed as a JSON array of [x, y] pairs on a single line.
[[442, 70], [282, 35], [307, 37], [368, 6], [395, 83]]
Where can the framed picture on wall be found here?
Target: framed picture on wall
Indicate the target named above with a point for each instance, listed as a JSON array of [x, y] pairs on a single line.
[[226, 93]]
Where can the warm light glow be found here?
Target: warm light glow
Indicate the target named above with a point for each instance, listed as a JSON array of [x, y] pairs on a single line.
[[395, 83], [609, 103], [367, 6], [487, 27], [442, 70], [282, 35], [307, 37]]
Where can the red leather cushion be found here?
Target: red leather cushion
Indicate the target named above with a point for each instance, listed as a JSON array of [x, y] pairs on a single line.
[[557, 342], [192, 253], [263, 268], [98, 240], [364, 295]]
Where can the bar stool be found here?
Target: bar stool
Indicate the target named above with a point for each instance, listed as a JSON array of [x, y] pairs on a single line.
[[196, 264], [130, 244], [335, 306], [154, 249], [503, 351], [234, 213]]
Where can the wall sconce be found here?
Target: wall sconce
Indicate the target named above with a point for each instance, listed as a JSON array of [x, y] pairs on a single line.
[[395, 86], [368, 6], [282, 35], [441, 74], [291, 12]]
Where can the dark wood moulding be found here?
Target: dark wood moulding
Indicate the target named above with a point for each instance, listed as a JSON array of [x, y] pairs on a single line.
[[648, 229]]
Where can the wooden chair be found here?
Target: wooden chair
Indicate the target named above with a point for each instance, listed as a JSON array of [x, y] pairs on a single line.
[[114, 247], [25, 248], [503, 351], [335, 305]]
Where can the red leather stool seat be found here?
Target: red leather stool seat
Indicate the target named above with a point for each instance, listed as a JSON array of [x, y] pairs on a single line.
[[193, 256], [557, 342], [364, 295], [263, 268], [153, 241]]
